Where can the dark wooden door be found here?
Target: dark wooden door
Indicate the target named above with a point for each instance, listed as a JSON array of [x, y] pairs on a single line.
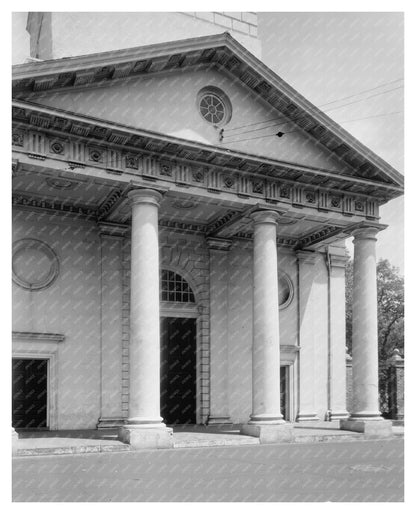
[[178, 370], [29, 393]]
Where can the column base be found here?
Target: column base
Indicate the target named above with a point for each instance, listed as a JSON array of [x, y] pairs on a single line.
[[307, 417], [219, 420], [268, 434], [15, 438], [374, 429], [338, 415], [142, 437], [110, 423]]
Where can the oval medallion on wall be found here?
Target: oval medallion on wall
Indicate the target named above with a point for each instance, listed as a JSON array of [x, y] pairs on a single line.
[[35, 265], [286, 290]]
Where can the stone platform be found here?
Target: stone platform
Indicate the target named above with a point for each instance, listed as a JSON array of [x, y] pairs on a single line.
[[68, 442]]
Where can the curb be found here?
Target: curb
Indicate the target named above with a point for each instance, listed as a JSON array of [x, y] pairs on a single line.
[[69, 450]]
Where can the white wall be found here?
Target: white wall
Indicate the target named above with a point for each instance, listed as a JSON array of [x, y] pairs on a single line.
[[70, 306]]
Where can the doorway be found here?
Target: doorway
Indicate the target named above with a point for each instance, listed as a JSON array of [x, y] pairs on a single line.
[[29, 393], [178, 370], [284, 392]]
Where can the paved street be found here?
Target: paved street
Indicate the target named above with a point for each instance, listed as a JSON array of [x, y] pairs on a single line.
[[350, 471]]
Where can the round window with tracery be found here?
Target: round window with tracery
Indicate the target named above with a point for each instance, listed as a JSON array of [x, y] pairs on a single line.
[[214, 106]]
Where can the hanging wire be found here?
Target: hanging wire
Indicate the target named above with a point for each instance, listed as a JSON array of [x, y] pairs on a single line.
[[280, 134], [296, 118], [323, 105]]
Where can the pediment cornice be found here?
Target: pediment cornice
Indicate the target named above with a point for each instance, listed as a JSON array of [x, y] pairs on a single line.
[[223, 52]]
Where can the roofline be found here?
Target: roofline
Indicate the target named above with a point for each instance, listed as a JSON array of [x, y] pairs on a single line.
[[82, 62], [114, 57]]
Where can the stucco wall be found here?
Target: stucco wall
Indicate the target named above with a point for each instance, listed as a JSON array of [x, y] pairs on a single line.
[[70, 306]]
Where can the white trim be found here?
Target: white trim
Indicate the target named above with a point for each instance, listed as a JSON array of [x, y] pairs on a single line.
[[178, 310], [36, 345], [291, 386], [52, 382]]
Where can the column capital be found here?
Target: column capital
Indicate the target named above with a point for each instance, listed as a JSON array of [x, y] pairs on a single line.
[[265, 217], [108, 229], [139, 196], [306, 257], [338, 261], [219, 243], [367, 230]]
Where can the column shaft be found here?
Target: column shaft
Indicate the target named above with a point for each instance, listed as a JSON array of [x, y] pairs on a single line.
[[364, 327], [266, 349], [144, 401]]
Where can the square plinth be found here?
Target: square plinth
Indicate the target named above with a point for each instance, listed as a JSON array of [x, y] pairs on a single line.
[[268, 434], [141, 438], [373, 429]]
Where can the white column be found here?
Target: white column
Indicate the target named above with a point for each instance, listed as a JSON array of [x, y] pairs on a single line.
[[266, 349], [218, 258], [366, 415], [111, 324], [364, 326], [144, 427], [266, 420], [306, 267]]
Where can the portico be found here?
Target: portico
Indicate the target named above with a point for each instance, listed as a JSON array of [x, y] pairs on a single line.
[[236, 251]]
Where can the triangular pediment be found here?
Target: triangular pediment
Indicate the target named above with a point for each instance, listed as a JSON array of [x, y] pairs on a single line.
[[156, 89]]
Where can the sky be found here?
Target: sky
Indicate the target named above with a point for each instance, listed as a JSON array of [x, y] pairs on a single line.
[[328, 56]]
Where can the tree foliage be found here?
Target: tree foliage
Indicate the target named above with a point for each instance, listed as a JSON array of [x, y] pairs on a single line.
[[390, 303]]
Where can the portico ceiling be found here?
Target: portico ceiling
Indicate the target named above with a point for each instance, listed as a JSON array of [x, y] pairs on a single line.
[[97, 199]]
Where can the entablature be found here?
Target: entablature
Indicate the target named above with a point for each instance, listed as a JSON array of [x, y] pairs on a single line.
[[160, 162]]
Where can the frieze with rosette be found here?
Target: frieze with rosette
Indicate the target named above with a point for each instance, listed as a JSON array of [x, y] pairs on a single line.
[[245, 184]]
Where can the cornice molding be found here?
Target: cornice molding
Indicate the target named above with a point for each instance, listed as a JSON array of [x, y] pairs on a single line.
[[306, 256], [41, 337], [219, 244], [109, 229], [223, 51]]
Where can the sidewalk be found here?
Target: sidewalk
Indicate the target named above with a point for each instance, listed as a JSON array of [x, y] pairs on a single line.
[[67, 442]]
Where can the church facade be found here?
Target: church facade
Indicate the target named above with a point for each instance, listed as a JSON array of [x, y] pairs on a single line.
[[169, 268]]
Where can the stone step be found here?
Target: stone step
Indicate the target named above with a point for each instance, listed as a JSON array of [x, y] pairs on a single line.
[[322, 438], [71, 450], [188, 441]]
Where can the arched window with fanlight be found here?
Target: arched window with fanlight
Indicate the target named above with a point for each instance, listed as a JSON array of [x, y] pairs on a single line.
[[174, 288]]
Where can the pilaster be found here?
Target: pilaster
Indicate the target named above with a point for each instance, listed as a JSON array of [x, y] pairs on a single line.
[[337, 342], [306, 264], [218, 258], [112, 237]]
